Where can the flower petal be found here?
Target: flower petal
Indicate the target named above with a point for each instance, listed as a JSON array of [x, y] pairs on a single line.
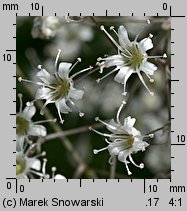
[[121, 75], [129, 122], [122, 156], [146, 44], [64, 69], [19, 143], [45, 76], [59, 176], [43, 93], [139, 145], [148, 68], [61, 104], [115, 128], [29, 111], [37, 130], [34, 164], [115, 60], [116, 147], [123, 37], [75, 94]]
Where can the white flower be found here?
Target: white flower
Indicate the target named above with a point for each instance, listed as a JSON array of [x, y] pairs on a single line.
[[124, 139], [72, 38], [46, 27], [27, 165], [131, 58], [25, 126], [58, 88]]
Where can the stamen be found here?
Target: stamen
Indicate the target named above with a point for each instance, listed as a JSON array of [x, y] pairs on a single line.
[[20, 79], [111, 160], [44, 121], [108, 142], [148, 22], [43, 107], [150, 79], [125, 81], [101, 134], [128, 52], [56, 60], [21, 102], [72, 67], [119, 111], [112, 127], [128, 171], [81, 114], [44, 166], [29, 149], [126, 55], [42, 154], [81, 71], [99, 79], [96, 151], [111, 38], [155, 57], [53, 169], [60, 116], [112, 29], [141, 166], [143, 82]]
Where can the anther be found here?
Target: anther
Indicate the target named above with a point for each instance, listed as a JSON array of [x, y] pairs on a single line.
[[152, 93], [53, 169], [43, 154], [151, 135], [20, 95], [112, 28], [79, 59], [102, 28], [141, 165], [81, 114], [96, 118], [39, 66], [148, 21], [95, 151], [98, 80], [164, 55], [20, 79], [29, 103]]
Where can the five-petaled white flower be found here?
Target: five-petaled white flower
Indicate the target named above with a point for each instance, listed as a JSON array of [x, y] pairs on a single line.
[[25, 126], [58, 88], [124, 139], [131, 58], [27, 165]]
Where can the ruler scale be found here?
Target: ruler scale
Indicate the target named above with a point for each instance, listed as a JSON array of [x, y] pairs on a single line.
[[93, 193]]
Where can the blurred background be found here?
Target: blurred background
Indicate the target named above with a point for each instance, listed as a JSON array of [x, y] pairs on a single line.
[[38, 40]]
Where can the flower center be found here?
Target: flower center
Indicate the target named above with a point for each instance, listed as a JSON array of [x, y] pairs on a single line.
[[20, 165], [133, 56], [22, 125], [130, 140], [62, 87]]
